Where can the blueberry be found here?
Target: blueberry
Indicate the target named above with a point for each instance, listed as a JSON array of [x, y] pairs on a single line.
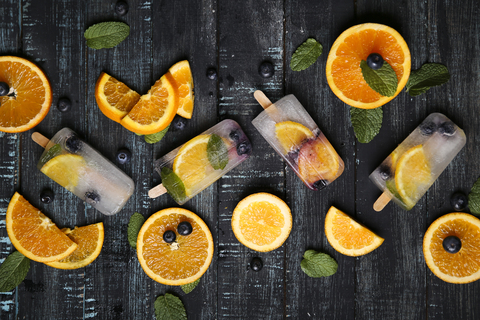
[[385, 171], [375, 61], [91, 197], [256, 264], [452, 244], [458, 201], [235, 136], [123, 156], [73, 144], [184, 228], [266, 69], [64, 104], [169, 236], [428, 128], [4, 89], [447, 128], [46, 196], [178, 124], [320, 184], [121, 8], [212, 73], [244, 148]]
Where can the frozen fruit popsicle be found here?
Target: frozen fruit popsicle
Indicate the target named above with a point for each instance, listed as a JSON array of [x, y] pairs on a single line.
[[407, 173], [198, 163], [290, 130], [79, 168]]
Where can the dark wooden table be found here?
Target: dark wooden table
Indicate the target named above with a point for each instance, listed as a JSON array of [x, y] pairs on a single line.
[[393, 282]]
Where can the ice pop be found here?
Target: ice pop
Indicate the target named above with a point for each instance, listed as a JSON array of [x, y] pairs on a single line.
[[290, 130], [407, 173], [198, 163], [79, 168]]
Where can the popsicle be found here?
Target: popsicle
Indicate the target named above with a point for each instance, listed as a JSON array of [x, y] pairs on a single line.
[[79, 168], [290, 130], [198, 163], [409, 171]]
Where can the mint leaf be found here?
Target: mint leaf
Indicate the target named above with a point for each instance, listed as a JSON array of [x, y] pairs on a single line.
[[429, 75], [187, 288], [317, 265], [54, 151], [383, 80], [366, 123], [474, 198], [217, 152], [169, 307], [156, 137], [134, 224], [106, 34], [173, 184], [13, 271], [306, 55]]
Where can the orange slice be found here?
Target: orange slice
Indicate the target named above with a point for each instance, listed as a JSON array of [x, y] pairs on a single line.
[[184, 81], [33, 234], [30, 95], [114, 98], [355, 44], [183, 261], [262, 222], [156, 109], [348, 236], [291, 134], [89, 240], [462, 266], [65, 170]]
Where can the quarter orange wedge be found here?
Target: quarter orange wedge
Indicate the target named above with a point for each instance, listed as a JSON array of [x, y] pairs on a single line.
[[182, 74]]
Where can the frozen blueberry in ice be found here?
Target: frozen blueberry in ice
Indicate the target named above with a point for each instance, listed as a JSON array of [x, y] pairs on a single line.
[[320, 184], [73, 144], [184, 228], [91, 197], [169, 236], [235, 136], [123, 156], [375, 61], [64, 104], [452, 244], [266, 69], [178, 124], [121, 8], [4, 89], [212, 73], [459, 201], [244, 148], [447, 128], [428, 128], [256, 264], [385, 171], [46, 196]]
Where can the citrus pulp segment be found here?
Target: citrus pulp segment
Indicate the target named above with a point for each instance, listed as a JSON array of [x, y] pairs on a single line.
[[30, 96], [348, 236], [33, 234], [262, 222], [291, 134], [183, 261], [344, 75], [182, 74], [65, 170], [462, 266]]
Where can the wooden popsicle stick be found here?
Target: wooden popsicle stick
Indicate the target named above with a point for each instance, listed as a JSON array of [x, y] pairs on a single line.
[[262, 99], [382, 201], [40, 139], [157, 191]]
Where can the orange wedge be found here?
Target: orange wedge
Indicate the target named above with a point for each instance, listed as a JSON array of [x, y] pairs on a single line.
[[182, 74]]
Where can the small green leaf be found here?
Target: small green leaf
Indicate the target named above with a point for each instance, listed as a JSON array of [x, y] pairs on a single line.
[[474, 198], [429, 75], [13, 271], [187, 288], [318, 265], [173, 184], [106, 34], [217, 152], [54, 151], [134, 225], [306, 55], [366, 123], [156, 137], [383, 80], [169, 307]]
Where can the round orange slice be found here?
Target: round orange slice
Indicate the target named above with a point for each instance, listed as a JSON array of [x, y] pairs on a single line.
[[291, 134], [182, 74]]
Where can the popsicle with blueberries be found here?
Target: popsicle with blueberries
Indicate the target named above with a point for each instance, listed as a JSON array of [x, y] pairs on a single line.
[[409, 171], [79, 168], [201, 161]]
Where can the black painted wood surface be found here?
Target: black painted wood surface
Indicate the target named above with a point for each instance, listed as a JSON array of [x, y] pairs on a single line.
[[234, 37]]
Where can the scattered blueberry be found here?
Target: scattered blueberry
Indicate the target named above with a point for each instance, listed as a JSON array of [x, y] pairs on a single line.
[[256, 264], [121, 8], [458, 201], [4, 89], [452, 244], [428, 128], [73, 144], [169, 236], [385, 171], [235, 136], [64, 104], [447, 128], [178, 124], [46, 196], [320, 184], [123, 156], [375, 61], [266, 69], [212, 73], [184, 228], [244, 148], [91, 197]]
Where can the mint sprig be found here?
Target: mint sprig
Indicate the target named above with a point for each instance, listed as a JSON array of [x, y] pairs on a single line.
[[169, 307], [306, 55], [13, 271], [383, 80], [173, 184], [106, 34], [366, 123], [317, 265], [217, 152], [134, 225], [429, 75], [474, 198], [156, 137], [54, 151], [187, 288]]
